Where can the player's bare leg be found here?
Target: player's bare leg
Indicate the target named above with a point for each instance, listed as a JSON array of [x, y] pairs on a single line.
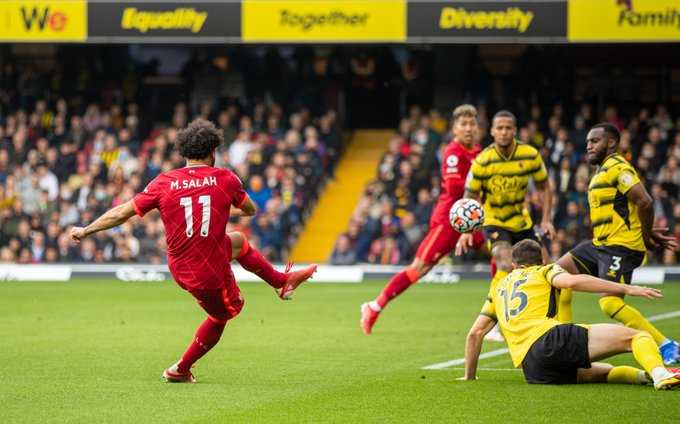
[[284, 283], [616, 308], [605, 340], [597, 373], [600, 372], [397, 285]]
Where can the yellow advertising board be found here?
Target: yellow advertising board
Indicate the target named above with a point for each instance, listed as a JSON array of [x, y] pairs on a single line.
[[624, 20], [318, 21], [64, 20]]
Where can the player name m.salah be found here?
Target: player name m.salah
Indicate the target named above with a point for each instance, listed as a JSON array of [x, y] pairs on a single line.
[[193, 183]]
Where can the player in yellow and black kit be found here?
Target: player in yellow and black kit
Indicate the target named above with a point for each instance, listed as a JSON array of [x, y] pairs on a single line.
[[549, 352], [500, 176], [622, 219]]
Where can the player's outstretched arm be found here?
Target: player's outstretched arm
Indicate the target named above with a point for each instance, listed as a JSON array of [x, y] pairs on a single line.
[[653, 237], [473, 345], [111, 218], [588, 283]]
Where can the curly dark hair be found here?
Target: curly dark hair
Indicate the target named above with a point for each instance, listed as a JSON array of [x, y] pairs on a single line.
[[199, 139]]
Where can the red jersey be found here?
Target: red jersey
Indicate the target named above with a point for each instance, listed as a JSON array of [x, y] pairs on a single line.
[[194, 204], [456, 163]]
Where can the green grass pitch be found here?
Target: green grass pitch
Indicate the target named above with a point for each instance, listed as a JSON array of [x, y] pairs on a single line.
[[93, 352]]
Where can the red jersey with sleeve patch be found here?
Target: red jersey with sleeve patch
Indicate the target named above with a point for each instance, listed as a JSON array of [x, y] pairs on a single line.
[[194, 204], [456, 162]]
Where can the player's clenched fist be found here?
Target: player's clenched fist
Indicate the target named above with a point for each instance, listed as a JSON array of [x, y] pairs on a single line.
[[77, 234]]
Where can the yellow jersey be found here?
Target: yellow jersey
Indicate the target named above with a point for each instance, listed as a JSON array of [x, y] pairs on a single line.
[[613, 217], [502, 182], [525, 305]]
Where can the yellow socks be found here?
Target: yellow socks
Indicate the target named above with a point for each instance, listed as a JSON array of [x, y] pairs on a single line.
[[564, 313], [617, 309], [646, 352], [627, 375]]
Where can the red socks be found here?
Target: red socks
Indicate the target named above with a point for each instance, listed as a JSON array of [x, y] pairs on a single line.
[[400, 282], [253, 261], [207, 336]]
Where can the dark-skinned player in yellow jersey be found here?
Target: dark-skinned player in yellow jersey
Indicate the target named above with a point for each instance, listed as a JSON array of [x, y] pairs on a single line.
[[622, 218]]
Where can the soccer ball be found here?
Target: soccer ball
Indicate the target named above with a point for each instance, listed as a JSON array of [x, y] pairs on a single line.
[[466, 215]]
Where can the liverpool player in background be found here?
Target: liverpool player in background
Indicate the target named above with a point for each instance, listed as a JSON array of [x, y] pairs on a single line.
[[194, 203], [441, 238]]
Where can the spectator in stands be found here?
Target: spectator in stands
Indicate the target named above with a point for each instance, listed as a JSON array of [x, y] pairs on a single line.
[[384, 251], [269, 235], [6, 255], [37, 247], [258, 191], [412, 232], [343, 253]]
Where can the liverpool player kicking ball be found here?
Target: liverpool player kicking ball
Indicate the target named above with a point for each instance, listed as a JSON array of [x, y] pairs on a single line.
[[194, 203], [441, 238]]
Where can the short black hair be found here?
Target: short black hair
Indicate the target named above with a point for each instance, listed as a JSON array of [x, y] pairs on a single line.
[[609, 129], [199, 139], [505, 114], [526, 253]]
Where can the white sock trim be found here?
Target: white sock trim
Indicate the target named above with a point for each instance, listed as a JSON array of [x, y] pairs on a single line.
[[660, 373], [643, 378], [374, 305]]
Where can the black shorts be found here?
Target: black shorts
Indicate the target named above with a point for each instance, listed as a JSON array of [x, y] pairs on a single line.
[[557, 355], [496, 234], [612, 263]]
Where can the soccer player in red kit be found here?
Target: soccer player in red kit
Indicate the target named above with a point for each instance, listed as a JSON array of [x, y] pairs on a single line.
[[441, 238], [194, 204]]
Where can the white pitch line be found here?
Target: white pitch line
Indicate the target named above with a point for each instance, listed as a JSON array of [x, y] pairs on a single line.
[[498, 352], [661, 317], [461, 361]]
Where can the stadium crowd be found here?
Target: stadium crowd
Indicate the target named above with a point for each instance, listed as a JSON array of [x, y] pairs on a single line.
[[67, 155], [392, 216]]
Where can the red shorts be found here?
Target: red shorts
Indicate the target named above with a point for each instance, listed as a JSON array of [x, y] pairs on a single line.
[[440, 241], [221, 304]]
